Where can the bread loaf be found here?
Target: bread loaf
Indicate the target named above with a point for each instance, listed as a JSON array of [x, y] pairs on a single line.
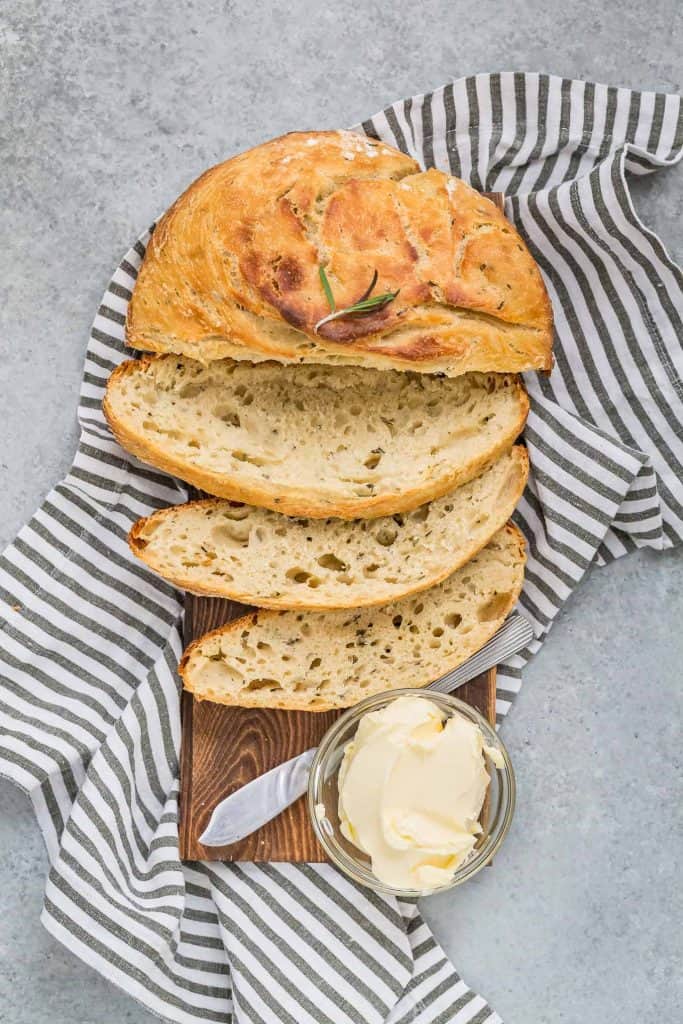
[[315, 661], [313, 441], [259, 557], [233, 268]]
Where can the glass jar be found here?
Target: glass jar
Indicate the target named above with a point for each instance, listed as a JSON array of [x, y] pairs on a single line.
[[323, 795]]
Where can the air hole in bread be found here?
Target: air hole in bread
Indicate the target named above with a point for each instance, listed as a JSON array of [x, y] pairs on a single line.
[[298, 575], [235, 512], [315, 664], [263, 684], [227, 415], [330, 561], [397, 620], [373, 460], [386, 536], [420, 514], [189, 390], [231, 535], [453, 620], [494, 608]]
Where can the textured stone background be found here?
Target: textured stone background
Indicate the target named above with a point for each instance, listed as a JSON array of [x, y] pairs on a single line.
[[109, 110]]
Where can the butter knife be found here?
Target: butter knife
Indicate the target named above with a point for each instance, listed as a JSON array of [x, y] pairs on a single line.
[[262, 799]]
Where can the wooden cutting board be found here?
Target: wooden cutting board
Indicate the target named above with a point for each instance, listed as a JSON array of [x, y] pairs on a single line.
[[223, 747]]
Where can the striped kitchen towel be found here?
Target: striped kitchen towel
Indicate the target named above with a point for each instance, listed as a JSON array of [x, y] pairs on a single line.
[[89, 700]]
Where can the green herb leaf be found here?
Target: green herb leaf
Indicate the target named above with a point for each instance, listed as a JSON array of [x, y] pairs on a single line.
[[368, 290], [367, 303], [327, 288]]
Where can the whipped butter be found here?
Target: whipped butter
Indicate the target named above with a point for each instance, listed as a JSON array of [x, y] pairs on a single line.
[[411, 789]]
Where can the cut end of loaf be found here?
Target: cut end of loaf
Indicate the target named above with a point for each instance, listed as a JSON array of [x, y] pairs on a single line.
[[253, 289]]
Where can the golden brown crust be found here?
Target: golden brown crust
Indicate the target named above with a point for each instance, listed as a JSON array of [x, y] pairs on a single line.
[[299, 501], [235, 264], [292, 704], [223, 589]]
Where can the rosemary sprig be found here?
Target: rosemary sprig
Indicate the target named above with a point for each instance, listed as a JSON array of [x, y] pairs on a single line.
[[367, 303], [327, 288]]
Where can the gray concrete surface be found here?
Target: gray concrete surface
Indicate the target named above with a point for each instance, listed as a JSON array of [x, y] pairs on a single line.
[[108, 111]]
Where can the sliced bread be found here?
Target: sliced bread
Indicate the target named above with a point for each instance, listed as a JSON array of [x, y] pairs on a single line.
[[314, 441], [259, 557], [316, 661]]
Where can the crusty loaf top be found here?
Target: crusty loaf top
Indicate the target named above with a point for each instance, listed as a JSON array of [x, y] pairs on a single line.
[[238, 256]]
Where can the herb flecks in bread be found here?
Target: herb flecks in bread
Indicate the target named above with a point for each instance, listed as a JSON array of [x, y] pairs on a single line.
[[223, 549], [315, 661], [314, 441]]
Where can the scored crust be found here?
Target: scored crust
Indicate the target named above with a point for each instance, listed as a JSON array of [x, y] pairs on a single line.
[[232, 268]]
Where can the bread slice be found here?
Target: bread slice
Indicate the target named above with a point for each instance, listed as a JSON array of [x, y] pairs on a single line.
[[315, 661], [313, 441], [259, 557]]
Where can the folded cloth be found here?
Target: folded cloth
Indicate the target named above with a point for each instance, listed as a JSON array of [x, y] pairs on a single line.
[[89, 696]]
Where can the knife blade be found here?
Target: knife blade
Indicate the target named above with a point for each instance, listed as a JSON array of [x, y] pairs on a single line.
[[263, 798]]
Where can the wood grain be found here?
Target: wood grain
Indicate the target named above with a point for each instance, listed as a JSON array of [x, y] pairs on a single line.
[[223, 748]]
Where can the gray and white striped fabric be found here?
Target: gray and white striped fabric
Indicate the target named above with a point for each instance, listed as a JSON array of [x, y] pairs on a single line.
[[89, 700]]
